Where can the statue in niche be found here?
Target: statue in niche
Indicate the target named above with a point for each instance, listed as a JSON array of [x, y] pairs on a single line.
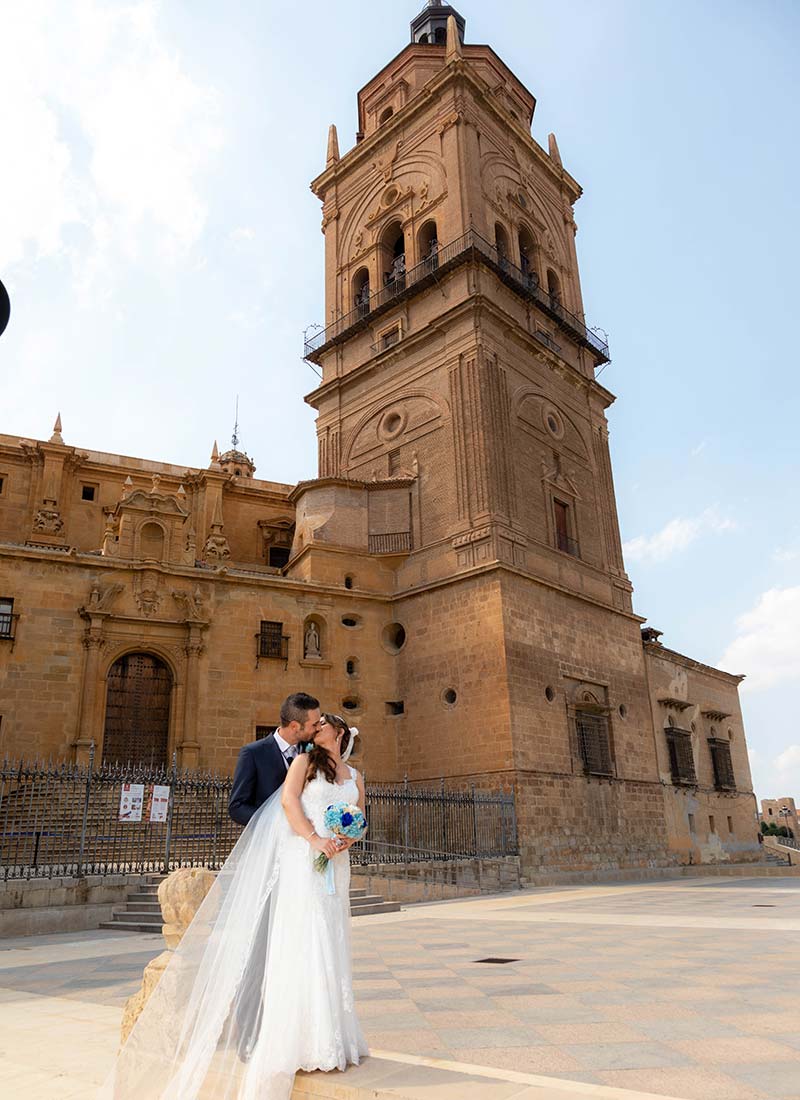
[[312, 649]]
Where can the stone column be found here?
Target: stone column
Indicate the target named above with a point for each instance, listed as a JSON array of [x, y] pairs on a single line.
[[189, 748], [94, 644]]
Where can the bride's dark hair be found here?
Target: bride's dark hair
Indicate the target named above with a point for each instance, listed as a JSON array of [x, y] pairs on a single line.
[[319, 759]]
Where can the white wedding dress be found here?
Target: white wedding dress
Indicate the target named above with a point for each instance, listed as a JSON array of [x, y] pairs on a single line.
[[261, 983]]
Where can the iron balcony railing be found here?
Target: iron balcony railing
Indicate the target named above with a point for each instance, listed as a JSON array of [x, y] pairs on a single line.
[[60, 819], [397, 542], [567, 544], [468, 247]]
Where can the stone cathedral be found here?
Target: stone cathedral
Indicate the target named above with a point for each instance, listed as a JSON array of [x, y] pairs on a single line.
[[453, 579]]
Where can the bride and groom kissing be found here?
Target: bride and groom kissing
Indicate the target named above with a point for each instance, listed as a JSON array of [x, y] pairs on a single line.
[[260, 986]]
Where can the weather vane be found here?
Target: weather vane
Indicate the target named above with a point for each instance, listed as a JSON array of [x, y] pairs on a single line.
[[235, 436]]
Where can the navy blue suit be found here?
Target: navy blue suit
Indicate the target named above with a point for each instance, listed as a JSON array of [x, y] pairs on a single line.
[[260, 770]]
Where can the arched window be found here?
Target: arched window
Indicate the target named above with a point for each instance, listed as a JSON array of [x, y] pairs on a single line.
[[428, 245], [361, 291], [393, 258], [553, 287], [527, 254], [440, 36], [501, 244], [423, 40], [151, 542], [385, 115]]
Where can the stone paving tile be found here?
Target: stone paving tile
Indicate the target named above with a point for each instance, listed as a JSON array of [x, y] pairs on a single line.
[[644, 1055], [570, 1034], [729, 1052], [460, 1037], [547, 1060], [774, 1081], [689, 1083]]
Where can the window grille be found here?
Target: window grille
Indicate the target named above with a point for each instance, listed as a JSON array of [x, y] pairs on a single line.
[[264, 731], [723, 768], [681, 757], [271, 642], [594, 743], [7, 618]]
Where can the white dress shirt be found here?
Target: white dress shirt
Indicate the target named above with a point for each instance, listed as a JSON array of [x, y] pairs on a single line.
[[288, 751]]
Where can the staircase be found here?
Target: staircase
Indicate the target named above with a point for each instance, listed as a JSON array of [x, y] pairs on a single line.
[[142, 913], [775, 858]]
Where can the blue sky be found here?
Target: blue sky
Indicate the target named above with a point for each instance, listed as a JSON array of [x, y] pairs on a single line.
[[163, 254]]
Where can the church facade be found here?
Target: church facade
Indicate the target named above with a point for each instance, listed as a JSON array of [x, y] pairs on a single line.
[[453, 579]]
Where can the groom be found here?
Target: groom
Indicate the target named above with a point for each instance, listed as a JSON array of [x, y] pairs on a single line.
[[262, 765]]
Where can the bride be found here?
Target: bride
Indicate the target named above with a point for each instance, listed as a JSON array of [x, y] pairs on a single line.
[[261, 983]]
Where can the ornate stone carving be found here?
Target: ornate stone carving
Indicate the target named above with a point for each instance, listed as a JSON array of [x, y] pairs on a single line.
[[191, 602], [146, 593], [102, 597], [216, 547], [48, 521]]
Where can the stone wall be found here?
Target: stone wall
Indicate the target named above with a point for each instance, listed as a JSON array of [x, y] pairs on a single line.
[[43, 906]]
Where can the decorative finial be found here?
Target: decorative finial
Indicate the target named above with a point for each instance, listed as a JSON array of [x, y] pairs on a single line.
[[333, 146], [56, 436], [215, 452], [453, 47], [235, 436], [552, 146]]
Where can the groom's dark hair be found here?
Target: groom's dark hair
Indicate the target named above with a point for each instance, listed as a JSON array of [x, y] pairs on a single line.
[[296, 708]]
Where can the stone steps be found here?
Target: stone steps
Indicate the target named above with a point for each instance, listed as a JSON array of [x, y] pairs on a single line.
[[142, 912]]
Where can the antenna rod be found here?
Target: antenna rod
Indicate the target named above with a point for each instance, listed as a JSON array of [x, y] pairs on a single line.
[[235, 436]]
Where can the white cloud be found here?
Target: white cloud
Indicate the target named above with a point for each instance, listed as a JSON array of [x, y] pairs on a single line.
[[766, 645], [107, 135], [699, 448], [676, 536], [242, 234], [786, 554]]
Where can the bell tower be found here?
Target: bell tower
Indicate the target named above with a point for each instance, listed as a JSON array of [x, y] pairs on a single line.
[[455, 351]]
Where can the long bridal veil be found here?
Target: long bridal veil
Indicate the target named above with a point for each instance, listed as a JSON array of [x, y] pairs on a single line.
[[196, 1037]]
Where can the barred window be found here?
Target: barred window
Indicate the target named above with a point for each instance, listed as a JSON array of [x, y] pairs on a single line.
[[594, 743], [681, 757], [264, 731], [270, 640], [721, 760], [6, 617]]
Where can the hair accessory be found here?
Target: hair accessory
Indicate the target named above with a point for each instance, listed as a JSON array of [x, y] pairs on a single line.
[[353, 735], [309, 746]]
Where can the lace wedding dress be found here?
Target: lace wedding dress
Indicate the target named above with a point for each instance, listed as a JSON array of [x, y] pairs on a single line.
[[261, 983]]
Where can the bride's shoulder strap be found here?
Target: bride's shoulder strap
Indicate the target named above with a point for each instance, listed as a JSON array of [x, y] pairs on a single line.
[[353, 772]]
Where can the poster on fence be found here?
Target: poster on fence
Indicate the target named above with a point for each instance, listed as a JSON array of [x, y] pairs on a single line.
[[159, 803], [130, 802]]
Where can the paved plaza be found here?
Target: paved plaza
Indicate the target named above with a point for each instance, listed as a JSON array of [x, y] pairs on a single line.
[[685, 989]]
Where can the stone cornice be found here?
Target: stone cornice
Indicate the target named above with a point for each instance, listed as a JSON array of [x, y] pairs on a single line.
[[654, 649]]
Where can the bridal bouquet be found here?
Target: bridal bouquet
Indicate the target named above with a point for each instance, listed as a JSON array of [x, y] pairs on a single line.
[[343, 819]]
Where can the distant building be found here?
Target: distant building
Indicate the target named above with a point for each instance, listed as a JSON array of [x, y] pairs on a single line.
[[453, 580], [780, 811]]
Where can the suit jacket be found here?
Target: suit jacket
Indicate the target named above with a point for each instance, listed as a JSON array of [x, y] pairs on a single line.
[[260, 770]]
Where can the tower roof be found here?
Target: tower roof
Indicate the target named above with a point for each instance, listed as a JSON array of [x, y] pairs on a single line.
[[430, 26]]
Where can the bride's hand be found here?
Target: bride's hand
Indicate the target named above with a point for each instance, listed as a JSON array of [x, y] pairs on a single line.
[[343, 843], [324, 844]]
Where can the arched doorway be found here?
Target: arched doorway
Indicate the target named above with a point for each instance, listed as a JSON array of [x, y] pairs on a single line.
[[137, 710]]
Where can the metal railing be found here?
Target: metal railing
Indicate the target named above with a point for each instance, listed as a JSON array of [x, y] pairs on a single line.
[[59, 819], [567, 545], [468, 247], [395, 542]]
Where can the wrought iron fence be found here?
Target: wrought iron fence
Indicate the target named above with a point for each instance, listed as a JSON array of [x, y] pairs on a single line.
[[59, 819], [469, 246]]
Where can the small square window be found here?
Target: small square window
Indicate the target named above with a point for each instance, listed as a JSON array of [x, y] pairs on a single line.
[[2, 484], [712, 824], [396, 707], [264, 731], [87, 492], [278, 556], [691, 823], [730, 825]]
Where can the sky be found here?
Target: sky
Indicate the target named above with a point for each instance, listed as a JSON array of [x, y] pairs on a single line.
[[163, 254]]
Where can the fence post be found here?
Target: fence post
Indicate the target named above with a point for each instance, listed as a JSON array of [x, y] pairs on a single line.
[[86, 797], [170, 809], [444, 814], [406, 811], [474, 820]]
